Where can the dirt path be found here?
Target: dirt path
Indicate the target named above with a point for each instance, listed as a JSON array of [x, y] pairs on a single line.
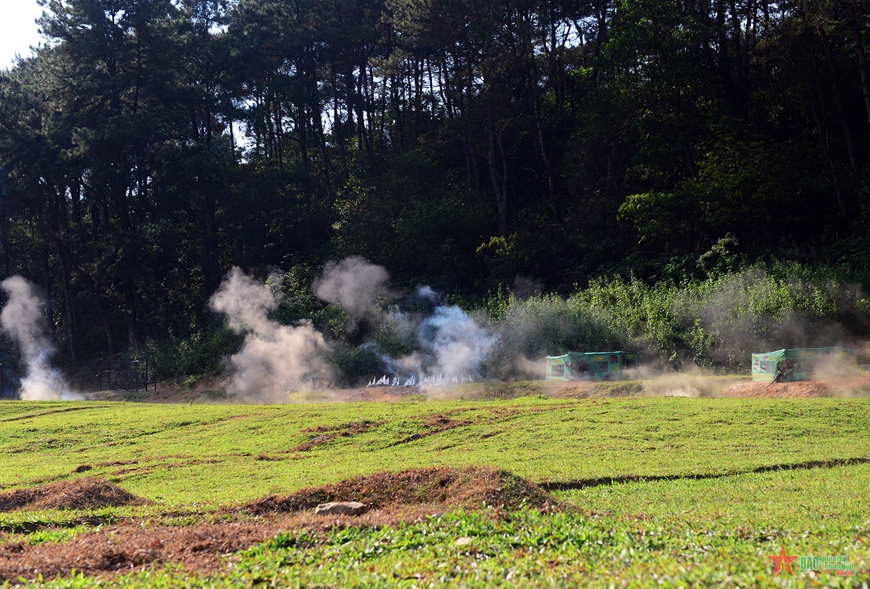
[[686, 384], [844, 387]]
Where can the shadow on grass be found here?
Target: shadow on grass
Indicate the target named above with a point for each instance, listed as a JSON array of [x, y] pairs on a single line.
[[598, 482]]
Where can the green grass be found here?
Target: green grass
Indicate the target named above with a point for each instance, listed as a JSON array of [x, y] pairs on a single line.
[[707, 518], [179, 454], [636, 542]]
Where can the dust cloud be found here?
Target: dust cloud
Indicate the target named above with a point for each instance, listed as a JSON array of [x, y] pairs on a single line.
[[457, 343], [22, 319], [694, 382], [447, 343], [274, 358], [416, 339], [354, 284]]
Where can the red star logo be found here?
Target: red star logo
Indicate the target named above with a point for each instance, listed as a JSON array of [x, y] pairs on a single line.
[[782, 559]]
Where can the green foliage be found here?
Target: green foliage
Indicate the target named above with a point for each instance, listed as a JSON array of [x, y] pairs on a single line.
[[354, 364], [417, 222], [654, 213], [147, 148], [295, 292], [202, 353], [718, 321], [715, 316], [549, 325], [53, 535], [719, 259]]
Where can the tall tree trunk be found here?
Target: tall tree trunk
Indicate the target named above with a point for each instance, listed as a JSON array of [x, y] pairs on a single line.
[[862, 58], [382, 115], [396, 100], [279, 132], [838, 100], [321, 136], [725, 72], [740, 59], [211, 260], [97, 290], [66, 270], [338, 127], [823, 126], [498, 186], [542, 143], [825, 140], [302, 134], [364, 118], [130, 312], [107, 325], [46, 285], [104, 317], [4, 226]]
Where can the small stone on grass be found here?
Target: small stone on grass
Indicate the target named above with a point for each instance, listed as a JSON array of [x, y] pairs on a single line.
[[341, 508]]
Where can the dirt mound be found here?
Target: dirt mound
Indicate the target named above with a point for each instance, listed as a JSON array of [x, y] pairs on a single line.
[[805, 389], [409, 496], [84, 493], [126, 549], [324, 434], [453, 487]]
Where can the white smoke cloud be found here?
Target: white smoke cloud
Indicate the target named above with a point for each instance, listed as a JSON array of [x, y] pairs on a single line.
[[426, 292], [275, 358], [446, 340], [448, 343], [354, 284], [22, 319], [458, 343]]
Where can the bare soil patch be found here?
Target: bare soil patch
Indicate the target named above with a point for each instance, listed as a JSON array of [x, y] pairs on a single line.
[[394, 498], [806, 389], [433, 425], [602, 389], [84, 493], [122, 549], [847, 386], [449, 487], [374, 394], [324, 434]]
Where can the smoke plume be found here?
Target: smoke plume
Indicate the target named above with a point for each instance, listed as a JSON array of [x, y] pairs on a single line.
[[275, 358], [458, 344], [354, 284], [415, 338], [440, 341], [22, 319]]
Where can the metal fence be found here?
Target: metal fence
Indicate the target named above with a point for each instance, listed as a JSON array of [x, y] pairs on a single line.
[[120, 372]]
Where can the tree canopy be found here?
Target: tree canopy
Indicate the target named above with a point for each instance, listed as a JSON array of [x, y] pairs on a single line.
[[150, 145]]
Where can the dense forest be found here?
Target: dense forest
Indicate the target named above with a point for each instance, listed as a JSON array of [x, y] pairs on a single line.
[[540, 147]]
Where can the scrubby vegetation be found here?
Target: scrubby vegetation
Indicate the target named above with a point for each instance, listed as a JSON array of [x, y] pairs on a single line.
[[714, 321]]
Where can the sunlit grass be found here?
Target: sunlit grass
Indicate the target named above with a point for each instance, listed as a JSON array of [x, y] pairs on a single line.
[[179, 454], [707, 520]]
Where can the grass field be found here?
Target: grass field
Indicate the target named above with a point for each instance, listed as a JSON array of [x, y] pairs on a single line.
[[654, 491]]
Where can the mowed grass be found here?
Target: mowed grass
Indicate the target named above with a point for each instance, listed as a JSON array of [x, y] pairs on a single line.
[[730, 481], [222, 454]]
